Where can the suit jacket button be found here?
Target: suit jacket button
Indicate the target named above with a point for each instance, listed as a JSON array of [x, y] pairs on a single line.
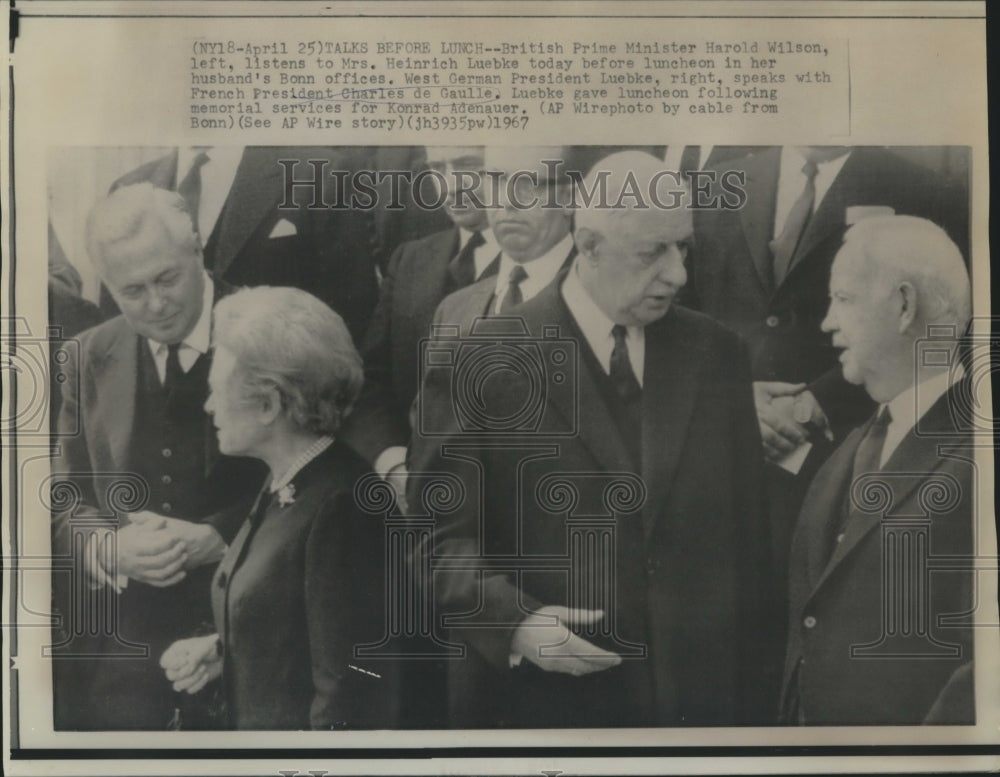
[[167, 453], [166, 480], [167, 507], [809, 622], [772, 321]]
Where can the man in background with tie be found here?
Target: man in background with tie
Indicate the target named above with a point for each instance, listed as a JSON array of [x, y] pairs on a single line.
[[870, 642], [530, 218], [763, 270], [667, 618], [142, 379], [262, 218], [421, 273]]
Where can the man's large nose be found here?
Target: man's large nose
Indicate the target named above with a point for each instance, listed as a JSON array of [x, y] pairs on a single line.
[[157, 300], [674, 272]]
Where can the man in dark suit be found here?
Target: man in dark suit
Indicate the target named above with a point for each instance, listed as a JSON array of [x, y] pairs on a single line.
[[763, 269], [875, 632], [529, 214], [421, 273], [609, 563], [262, 222], [145, 440]]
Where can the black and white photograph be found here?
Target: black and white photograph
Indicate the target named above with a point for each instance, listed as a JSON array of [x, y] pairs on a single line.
[[508, 444]]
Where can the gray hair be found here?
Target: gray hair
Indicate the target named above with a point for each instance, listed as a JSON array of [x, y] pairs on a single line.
[[125, 213], [914, 250], [287, 340]]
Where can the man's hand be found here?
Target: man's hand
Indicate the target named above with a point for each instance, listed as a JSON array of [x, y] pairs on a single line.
[[202, 542], [191, 663], [544, 641], [147, 552], [807, 411], [779, 430]]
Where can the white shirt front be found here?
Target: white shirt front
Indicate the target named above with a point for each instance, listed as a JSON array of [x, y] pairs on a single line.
[[791, 182], [540, 271], [910, 405], [485, 253], [596, 327], [217, 175], [197, 341]]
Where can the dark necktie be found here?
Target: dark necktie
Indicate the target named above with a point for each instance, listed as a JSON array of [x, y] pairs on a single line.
[[513, 297], [622, 375], [190, 187], [868, 457], [463, 267], [174, 373], [783, 247]]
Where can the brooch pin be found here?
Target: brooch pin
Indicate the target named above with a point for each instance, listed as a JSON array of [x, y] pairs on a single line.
[[286, 494]]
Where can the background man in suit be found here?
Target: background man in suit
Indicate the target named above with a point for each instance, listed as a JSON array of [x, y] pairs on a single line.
[[142, 380], [896, 281], [250, 239], [529, 220], [421, 273], [661, 402], [763, 270]]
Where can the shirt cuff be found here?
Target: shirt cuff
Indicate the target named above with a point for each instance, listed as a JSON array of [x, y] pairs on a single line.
[[515, 659], [389, 459]]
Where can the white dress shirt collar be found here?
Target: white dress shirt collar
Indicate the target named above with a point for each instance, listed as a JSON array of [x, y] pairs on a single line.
[[791, 182], [910, 405], [485, 253], [217, 176], [596, 327], [540, 271], [197, 341]]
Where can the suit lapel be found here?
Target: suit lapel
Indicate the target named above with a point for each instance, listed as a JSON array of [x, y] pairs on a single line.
[[116, 400], [757, 216], [255, 191], [597, 431], [164, 175], [670, 386], [829, 216], [915, 454]]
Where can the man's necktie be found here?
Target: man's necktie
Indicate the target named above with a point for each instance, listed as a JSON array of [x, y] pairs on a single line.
[[783, 247], [690, 160], [173, 373], [868, 457], [190, 187], [463, 267], [622, 375], [513, 297]]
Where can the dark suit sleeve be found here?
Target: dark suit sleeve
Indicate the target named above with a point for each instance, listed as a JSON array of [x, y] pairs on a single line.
[[374, 425], [72, 488], [458, 532], [345, 267], [760, 609], [344, 601]]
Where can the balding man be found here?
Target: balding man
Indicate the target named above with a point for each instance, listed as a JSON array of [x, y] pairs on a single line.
[[143, 381], [869, 638], [664, 621]]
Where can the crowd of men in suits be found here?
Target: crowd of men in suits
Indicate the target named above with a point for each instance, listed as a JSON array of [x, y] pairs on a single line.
[[738, 371]]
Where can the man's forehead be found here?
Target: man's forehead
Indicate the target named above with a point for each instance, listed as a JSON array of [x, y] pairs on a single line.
[[655, 224]]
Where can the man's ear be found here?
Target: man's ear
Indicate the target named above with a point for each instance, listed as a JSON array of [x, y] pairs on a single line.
[[586, 243], [906, 295]]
